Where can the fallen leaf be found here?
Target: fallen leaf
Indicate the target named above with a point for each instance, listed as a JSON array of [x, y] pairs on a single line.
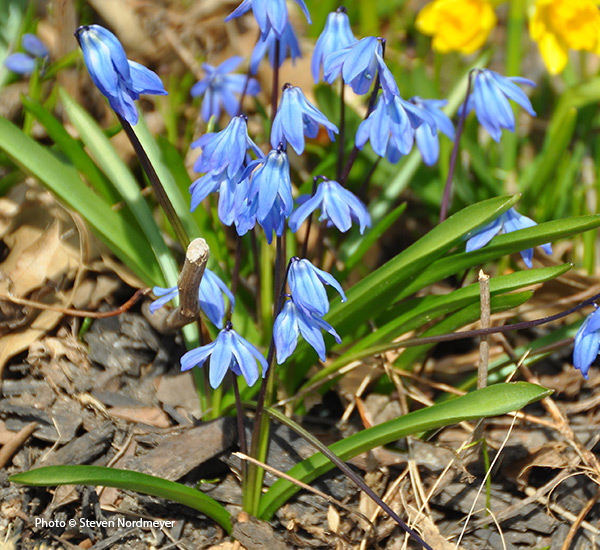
[[152, 416]]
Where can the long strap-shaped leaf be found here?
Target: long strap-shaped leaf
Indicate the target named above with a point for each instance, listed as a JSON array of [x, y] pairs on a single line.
[[126, 479], [63, 180], [491, 401]]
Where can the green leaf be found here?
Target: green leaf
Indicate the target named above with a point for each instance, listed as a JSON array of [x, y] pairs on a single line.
[[491, 401], [63, 180], [466, 315], [117, 171], [372, 294], [419, 312], [72, 149], [126, 479], [500, 245]]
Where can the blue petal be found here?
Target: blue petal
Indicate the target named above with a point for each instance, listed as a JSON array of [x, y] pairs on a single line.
[[220, 358], [484, 235], [285, 332], [145, 81], [32, 44], [20, 63], [196, 356], [586, 349], [245, 360]]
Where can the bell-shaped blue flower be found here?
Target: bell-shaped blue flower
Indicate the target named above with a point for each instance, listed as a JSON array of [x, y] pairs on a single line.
[[228, 351], [225, 150], [288, 47], [210, 294], [507, 223], [22, 63], [268, 14], [219, 88], [297, 117], [336, 35], [338, 206], [427, 139], [587, 343], [489, 97], [393, 123], [293, 321], [359, 64], [306, 284], [270, 191], [121, 81]]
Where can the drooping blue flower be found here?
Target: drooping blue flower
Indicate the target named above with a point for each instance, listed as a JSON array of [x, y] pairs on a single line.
[[225, 150], [33, 45], [338, 205], [22, 63], [393, 123], [587, 343], [291, 322], [297, 117], [507, 223], [306, 284], [120, 80], [489, 97], [210, 294], [288, 47], [336, 35], [268, 14], [220, 88], [270, 193], [359, 64], [427, 139], [228, 351]]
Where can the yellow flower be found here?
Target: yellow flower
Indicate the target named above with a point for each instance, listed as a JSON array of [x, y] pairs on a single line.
[[457, 25], [562, 25]]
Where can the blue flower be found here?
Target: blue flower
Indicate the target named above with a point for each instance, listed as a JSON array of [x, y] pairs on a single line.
[[297, 117], [427, 139], [507, 223], [210, 294], [229, 350], [225, 150], [393, 123], [120, 80], [306, 284], [338, 205], [489, 99], [336, 35], [291, 322], [587, 343], [359, 63], [288, 46], [270, 193], [220, 88], [268, 14], [21, 63]]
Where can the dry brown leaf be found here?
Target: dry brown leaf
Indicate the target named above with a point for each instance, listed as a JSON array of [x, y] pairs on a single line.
[[152, 416]]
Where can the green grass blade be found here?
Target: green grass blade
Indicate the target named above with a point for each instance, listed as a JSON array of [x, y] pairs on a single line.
[[431, 307], [129, 480], [372, 294], [501, 245], [72, 149], [491, 401], [63, 180], [117, 171]]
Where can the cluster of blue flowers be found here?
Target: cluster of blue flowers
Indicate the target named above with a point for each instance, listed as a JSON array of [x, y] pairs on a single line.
[[25, 63], [256, 188]]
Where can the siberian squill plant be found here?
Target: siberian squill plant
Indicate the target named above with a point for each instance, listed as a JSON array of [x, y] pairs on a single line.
[[280, 316]]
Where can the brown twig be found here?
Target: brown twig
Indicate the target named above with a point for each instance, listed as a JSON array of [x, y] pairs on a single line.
[[189, 281], [78, 312], [10, 448], [578, 521]]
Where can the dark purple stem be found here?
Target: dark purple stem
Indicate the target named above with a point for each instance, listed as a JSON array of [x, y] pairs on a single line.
[[342, 134], [452, 166]]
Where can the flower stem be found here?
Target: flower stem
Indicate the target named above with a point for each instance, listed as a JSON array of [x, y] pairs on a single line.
[[355, 149], [310, 219], [342, 134], [159, 190], [275, 91], [451, 168]]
